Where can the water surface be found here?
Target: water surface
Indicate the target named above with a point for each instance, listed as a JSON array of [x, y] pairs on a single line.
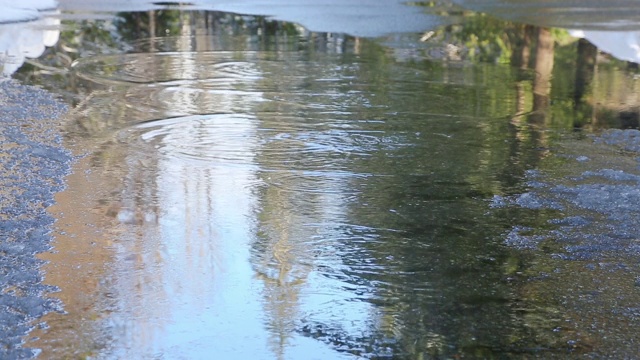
[[254, 190]]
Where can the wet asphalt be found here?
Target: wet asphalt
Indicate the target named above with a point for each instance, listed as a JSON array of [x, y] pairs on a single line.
[[33, 164]]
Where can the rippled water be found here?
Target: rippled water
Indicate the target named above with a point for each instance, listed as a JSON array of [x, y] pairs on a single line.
[[308, 196], [280, 196]]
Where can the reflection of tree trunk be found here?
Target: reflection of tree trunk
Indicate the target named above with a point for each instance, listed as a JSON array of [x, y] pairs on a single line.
[[542, 85], [585, 67], [521, 106], [585, 70], [522, 53], [139, 25], [520, 58], [152, 23], [542, 80]]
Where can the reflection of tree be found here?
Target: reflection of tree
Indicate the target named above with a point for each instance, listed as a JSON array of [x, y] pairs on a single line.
[[543, 68], [421, 272], [278, 252], [141, 25], [292, 205], [543, 73], [434, 298], [523, 40], [585, 67], [158, 23]]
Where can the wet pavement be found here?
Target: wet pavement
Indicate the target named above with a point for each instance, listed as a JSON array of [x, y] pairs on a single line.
[[462, 186]]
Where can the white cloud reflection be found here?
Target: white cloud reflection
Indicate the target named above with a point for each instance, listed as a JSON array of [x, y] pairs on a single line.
[[26, 29]]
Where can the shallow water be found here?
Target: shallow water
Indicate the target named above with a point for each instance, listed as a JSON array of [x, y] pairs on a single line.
[[253, 190]]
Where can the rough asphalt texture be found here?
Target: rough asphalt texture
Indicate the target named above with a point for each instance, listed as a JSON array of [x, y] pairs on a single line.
[[32, 166]]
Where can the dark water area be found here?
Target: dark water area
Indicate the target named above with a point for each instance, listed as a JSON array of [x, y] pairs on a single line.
[[250, 189]]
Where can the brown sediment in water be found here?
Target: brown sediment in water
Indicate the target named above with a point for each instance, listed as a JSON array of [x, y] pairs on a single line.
[[78, 264]]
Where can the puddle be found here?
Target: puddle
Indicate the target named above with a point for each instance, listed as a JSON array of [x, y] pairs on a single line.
[[258, 190], [252, 189]]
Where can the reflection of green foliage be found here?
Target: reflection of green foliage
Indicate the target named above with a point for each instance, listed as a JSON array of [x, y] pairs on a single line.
[[486, 38], [272, 27], [88, 35], [137, 25], [562, 37], [77, 39]]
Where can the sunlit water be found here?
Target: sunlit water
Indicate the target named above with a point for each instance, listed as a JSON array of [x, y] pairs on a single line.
[[326, 197]]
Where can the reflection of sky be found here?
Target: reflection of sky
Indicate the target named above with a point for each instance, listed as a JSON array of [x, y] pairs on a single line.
[[192, 291], [24, 10], [625, 45], [198, 297], [25, 30]]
